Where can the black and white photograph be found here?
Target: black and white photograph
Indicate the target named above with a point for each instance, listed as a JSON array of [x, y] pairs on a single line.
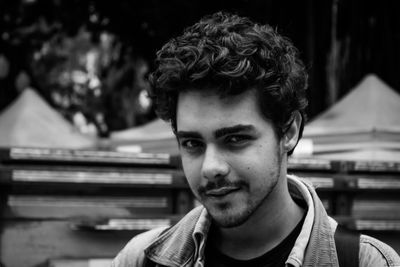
[[194, 133]]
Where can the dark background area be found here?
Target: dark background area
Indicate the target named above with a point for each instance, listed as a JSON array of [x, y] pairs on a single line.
[[340, 41]]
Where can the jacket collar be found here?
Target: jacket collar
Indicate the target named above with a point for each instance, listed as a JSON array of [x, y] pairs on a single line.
[[321, 249], [180, 244]]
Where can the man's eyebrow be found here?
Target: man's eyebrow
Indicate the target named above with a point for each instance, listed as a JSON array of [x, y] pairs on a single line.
[[233, 129], [187, 134]]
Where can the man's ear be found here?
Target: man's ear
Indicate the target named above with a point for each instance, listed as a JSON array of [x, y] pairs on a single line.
[[291, 135]]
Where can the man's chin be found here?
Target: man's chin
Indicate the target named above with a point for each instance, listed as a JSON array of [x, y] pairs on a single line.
[[229, 220]]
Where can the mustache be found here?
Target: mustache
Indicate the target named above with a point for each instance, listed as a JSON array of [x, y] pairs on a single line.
[[219, 184]]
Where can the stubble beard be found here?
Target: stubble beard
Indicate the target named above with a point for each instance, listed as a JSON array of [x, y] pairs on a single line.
[[234, 220], [228, 218]]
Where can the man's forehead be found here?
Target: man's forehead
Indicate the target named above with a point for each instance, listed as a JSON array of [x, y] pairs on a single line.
[[201, 104], [220, 132], [213, 95], [198, 108]]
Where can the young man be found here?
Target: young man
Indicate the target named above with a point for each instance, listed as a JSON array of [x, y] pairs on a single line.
[[234, 92]]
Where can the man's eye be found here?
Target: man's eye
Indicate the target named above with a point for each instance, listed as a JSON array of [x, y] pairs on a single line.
[[191, 144], [236, 139]]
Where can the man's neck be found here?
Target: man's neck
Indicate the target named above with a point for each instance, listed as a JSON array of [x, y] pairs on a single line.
[[265, 229]]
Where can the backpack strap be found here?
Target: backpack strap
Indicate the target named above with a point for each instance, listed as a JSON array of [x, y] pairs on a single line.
[[347, 246]]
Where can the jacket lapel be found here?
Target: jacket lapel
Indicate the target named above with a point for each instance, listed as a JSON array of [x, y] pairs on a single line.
[[176, 247], [321, 250]]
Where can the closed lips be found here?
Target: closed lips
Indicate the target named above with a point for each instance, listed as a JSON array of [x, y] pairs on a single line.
[[221, 191]]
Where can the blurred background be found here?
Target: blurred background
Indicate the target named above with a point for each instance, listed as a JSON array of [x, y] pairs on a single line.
[[84, 160], [89, 59]]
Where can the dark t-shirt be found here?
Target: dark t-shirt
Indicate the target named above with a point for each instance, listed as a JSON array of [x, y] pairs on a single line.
[[273, 258]]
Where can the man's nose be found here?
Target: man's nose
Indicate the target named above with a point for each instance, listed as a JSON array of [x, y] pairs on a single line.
[[214, 164]]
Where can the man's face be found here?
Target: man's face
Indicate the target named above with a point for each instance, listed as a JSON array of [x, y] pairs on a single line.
[[230, 153]]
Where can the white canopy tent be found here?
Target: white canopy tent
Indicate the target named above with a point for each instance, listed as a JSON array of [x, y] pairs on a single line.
[[363, 125], [156, 129], [31, 122], [153, 137]]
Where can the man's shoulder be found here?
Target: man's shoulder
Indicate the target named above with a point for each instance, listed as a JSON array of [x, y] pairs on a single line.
[[374, 252], [132, 254]]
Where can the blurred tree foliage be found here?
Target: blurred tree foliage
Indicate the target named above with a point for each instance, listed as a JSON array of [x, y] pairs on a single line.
[[67, 51]]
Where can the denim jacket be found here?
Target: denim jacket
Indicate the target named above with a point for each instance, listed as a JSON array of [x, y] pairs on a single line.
[[183, 244]]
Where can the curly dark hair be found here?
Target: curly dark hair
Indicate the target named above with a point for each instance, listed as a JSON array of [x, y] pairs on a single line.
[[232, 54]]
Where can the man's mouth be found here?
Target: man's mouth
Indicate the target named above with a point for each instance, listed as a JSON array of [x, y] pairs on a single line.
[[221, 191]]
